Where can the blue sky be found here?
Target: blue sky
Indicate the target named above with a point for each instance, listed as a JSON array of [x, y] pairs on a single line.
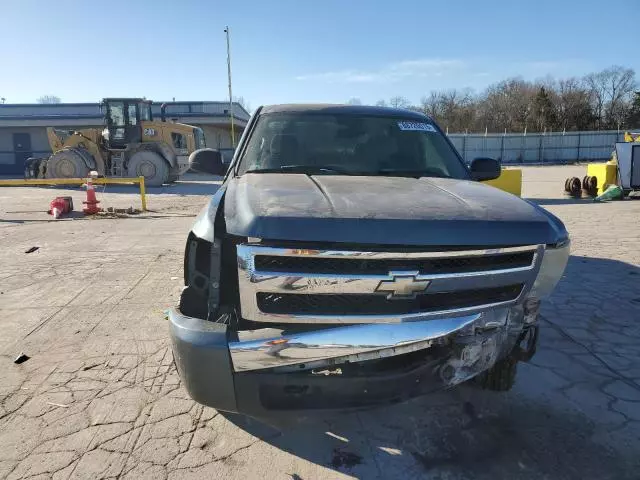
[[298, 50]]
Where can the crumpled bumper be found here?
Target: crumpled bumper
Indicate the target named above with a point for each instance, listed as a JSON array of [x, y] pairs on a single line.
[[269, 372]]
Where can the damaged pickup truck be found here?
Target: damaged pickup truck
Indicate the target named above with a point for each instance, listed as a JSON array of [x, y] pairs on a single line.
[[350, 259]]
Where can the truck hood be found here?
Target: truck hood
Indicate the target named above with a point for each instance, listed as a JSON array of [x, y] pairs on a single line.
[[380, 210]]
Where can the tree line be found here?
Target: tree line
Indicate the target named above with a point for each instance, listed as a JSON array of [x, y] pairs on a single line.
[[605, 100]]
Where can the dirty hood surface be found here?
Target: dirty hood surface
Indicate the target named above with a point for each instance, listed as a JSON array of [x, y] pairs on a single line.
[[382, 211]]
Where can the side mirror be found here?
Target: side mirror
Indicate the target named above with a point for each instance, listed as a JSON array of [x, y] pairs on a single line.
[[207, 160], [485, 169]]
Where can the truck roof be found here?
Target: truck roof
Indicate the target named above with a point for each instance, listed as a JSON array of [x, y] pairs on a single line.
[[344, 109]]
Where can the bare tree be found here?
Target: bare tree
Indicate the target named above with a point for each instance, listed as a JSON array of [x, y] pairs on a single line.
[[633, 117], [599, 100], [381, 103], [573, 105], [49, 99], [543, 110], [507, 104], [430, 105], [454, 109], [354, 101], [610, 93], [399, 102]]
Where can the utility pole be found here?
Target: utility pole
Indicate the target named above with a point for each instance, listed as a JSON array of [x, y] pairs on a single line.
[[233, 131]]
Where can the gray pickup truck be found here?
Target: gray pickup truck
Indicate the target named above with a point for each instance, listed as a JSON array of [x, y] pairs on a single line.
[[350, 259]]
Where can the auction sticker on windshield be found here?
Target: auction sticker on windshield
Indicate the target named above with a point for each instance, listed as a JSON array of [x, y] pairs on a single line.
[[416, 126]]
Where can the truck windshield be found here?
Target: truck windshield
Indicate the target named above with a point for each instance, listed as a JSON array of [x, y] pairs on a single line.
[[349, 144]]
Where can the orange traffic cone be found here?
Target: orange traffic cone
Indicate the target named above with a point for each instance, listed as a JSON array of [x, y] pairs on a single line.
[[91, 202], [59, 206]]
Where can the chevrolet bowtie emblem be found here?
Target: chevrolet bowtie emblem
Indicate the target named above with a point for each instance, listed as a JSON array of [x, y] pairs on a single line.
[[402, 285]]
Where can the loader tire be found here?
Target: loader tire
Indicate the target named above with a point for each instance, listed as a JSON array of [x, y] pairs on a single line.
[[151, 166], [66, 164], [174, 174], [501, 377]]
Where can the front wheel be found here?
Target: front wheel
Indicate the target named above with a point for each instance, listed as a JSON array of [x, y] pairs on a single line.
[[66, 164], [151, 166]]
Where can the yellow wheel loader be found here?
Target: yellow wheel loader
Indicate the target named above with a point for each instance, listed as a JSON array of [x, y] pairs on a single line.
[[131, 144]]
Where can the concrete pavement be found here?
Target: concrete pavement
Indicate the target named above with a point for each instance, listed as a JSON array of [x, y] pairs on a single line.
[[100, 398]]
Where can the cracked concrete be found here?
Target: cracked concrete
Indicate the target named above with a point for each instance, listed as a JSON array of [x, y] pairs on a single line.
[[100, 398]]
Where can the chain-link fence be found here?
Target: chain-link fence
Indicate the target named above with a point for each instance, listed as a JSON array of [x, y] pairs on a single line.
[[538, 148]]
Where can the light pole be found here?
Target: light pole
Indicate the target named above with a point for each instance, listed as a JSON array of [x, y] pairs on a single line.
[[233, 131]]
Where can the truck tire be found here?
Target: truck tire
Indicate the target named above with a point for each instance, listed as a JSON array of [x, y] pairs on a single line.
[[501, 377], [66, 164], [151, 166]]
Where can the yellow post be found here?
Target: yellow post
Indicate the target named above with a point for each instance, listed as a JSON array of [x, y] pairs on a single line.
[[79, 181], [143, 194]]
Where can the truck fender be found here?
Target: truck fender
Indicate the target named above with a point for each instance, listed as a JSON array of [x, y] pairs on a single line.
[[202, 262], [204, 225]]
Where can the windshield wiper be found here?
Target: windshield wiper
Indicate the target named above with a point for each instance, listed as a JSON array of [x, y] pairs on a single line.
[[391, 172], [306, 169]]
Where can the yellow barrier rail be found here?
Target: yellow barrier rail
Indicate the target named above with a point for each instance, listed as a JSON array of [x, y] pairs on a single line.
[[80, 181]]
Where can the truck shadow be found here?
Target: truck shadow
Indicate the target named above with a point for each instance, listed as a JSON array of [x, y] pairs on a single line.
[[562, 201], [536, 430], [464, 433]]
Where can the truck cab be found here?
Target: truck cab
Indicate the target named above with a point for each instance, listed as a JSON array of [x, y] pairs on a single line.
[[351, 258]]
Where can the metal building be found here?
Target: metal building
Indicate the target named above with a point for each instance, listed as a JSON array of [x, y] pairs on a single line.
[[23, 126]]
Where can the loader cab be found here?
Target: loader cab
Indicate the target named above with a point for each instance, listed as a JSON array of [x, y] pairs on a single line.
[[123, 118]]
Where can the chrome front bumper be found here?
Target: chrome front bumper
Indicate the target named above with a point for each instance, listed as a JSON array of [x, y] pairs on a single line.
[[283, 351], [267, 370], [331, 346]]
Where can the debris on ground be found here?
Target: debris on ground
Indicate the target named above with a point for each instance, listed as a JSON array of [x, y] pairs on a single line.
[[32, 249], [21, 358], [89, 367], [58, 404], [613, 192], [112, 212]]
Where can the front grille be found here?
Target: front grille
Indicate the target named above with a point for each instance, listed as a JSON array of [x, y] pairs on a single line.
[[357, 304], [364, 266], [287, 284]]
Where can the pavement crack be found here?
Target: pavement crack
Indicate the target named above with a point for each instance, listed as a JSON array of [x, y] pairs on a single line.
[[629, 381]]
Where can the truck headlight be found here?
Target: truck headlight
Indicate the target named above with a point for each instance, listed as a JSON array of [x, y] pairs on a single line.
[[553, 265]]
